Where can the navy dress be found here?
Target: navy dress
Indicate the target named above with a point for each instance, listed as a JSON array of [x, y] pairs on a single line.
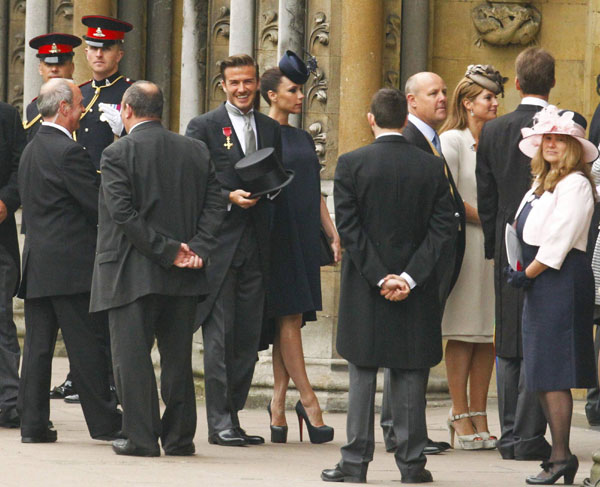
[[294, 285], [558, 347]]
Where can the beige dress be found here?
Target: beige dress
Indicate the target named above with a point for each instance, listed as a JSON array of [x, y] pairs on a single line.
[[469, 313]]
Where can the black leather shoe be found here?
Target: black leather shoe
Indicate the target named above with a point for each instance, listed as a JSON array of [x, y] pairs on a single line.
[[183, 451], [229, 437], [49, 436], [126, 447], [435, 447], [250, 439], [72, 399], [112, 436], [336, 475], [63, 390], [422, 477], [552, 471], [9, 418]]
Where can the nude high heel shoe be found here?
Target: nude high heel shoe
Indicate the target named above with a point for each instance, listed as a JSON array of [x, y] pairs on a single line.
[[466, 442], [489, 441]]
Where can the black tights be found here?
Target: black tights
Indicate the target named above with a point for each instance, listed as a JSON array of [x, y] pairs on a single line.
[[558, 409]]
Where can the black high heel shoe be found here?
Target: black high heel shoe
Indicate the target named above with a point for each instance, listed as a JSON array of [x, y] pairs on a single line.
[[567, 470], [278, 433], [320, 434]]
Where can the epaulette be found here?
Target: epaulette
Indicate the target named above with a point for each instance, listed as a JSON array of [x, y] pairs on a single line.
[[85, 83]]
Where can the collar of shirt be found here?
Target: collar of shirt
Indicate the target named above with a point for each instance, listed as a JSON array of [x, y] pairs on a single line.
[[105, 81], [532, 100], [59, 127], [425, 129], [238, 121], [138, 124], [384, 134]]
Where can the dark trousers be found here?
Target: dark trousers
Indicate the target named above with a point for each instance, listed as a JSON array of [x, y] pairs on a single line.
[[231, 335], [592, 405], [10, 352], [406, 392], [133, 328], [522, 420], [43, 318]]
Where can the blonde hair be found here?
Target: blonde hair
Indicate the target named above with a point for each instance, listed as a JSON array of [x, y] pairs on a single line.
[[547, 177], [466, 89]]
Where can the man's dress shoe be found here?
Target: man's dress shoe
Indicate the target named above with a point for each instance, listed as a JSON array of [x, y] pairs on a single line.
[[336, 475], [9, 418], [435, 447], [183, 451], [126, 447], [228, 437], [72, 399], [250, 439], [420, 478], [49, 436], [63, 390]]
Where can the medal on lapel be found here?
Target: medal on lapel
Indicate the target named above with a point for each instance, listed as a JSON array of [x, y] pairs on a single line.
[[227, 134]]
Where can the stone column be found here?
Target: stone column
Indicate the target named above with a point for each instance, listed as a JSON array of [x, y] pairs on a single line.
[[191, 89], [82, 8], [3, 49], [415, 38], [36, 23], [133, 63], [290, 35], [158, 51], [241, 38], [361, 63]]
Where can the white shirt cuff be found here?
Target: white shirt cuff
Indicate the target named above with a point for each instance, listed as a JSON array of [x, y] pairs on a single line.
[[408, 279], [380, 283]]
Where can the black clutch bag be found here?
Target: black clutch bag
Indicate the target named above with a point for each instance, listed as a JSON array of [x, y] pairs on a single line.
[[325, 252]]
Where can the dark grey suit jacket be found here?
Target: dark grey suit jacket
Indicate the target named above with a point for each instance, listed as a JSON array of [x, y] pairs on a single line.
[[59, 192], [158, 190]]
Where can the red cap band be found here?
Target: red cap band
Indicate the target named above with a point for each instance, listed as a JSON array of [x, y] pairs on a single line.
[[105, 34], [55, 49]]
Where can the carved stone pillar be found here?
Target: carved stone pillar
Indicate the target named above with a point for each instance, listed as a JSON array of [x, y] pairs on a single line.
[[241, 39], [361, 61], [3, 49], [36, 23], [132, 64], [415, 38], [82, 8], [160, 31]]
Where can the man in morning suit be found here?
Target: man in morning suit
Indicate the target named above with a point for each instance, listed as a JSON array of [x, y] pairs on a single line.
[[232, 315], [59, 192], [12, 137], [394, 214], [426, 95], [503, 177], [159, 211]]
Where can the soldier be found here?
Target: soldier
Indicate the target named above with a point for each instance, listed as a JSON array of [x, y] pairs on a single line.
[[56, 61]]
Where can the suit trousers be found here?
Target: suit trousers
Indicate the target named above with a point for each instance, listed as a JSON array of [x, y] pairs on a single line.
[[406, 391], [133, 328], [592, 405], [10, 352], [231, 336], [522, 421], [43, 317]]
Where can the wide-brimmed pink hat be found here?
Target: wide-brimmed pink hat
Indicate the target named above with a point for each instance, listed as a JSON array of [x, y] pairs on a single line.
[[552, 121]]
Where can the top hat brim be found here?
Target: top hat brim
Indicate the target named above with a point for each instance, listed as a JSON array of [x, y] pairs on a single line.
[[288, 180]]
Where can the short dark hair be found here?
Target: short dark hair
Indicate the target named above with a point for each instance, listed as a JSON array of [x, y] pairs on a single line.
[[535, 71], [389, 108], [237, 60], [270, 81], [145, 99]]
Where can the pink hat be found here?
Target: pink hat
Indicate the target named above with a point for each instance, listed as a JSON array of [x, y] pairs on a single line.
[[551, 121]]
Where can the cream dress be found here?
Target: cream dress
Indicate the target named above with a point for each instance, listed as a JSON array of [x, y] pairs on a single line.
[[469, 312]]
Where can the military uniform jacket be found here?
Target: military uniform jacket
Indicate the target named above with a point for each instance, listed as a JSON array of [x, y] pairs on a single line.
[[12, 142], [94, 134], [394, 213], [33, 120], [209, 128], [59, 193], [503, 177]]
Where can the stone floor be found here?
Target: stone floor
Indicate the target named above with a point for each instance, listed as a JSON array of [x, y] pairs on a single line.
[[77, 460]]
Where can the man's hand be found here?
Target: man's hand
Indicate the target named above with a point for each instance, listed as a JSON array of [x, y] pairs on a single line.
[[3, 211], [240, 197], [187, 258], [336, 246], [113, 117], [394, 288]]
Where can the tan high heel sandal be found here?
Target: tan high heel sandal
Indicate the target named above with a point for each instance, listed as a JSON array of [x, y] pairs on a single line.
[[489, 441], [466, 442]]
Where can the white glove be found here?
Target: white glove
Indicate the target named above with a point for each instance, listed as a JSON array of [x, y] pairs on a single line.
[[112, 116]]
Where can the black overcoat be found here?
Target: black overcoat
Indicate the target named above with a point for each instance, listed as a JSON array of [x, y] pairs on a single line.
[[394, 213], [158, 190], [503, 177], [209, 129]]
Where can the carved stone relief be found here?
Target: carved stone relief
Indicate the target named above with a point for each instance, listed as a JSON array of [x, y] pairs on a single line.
[[16, 50], [217, 49], [320, 30], [62, 18], [500, 24], [221, 26], [392, 44], [268, 32]]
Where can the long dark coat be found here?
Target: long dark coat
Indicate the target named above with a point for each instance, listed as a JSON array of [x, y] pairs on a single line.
[[503, 177], [209, 129], [394, 213]]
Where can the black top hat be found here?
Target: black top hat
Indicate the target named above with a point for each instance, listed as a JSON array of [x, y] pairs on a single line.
[[262, 173], [104, 31], [294, 68], [55, 48]]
